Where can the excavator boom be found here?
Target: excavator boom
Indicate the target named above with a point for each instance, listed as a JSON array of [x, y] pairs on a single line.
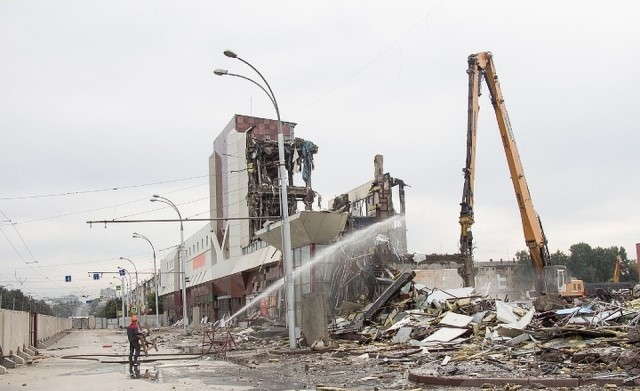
[[480, 66], [617, 269], [466, 205]]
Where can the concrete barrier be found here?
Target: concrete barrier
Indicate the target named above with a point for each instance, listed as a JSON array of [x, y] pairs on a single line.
[[8, 362], [17, 360], [15, 335], [26, 357], [48, 326], [14, 330]]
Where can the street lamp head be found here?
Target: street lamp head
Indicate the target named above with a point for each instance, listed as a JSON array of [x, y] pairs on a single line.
[[220, 72], [230, 53]]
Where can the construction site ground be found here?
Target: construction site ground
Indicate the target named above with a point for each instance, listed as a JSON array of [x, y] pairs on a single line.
[[95, 360]]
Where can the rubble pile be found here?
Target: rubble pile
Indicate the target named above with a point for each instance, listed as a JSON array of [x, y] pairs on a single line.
[[459, 336]]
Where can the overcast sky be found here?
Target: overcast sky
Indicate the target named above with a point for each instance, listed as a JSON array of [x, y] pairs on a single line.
[[103, 104]]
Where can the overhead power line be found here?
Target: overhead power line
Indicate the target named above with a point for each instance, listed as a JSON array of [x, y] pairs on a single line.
[[115, 188]]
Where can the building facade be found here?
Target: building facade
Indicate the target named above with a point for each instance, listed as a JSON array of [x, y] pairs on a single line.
[[234, 264], [496, 279], [226, 263]]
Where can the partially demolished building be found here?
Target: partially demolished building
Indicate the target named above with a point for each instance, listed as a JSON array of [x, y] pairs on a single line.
[[235, 259]]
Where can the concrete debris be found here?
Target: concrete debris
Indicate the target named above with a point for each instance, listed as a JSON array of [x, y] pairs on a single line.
[[417, 338], [445, 334], [456, 320], [455, 337], [403, 335], [411, 335], [459, 338]]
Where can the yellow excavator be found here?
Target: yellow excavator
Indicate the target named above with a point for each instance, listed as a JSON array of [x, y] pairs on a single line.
[[549, 279]]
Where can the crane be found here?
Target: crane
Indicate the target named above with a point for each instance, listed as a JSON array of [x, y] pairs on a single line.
[[481, 67]]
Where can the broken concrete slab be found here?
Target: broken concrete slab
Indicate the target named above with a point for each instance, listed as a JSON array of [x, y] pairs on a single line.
[[504, 312], [403, 335], [478, 317], [387, 295], [516, 328], [456, 320], [438, 296], [445, 334], [517, 340]]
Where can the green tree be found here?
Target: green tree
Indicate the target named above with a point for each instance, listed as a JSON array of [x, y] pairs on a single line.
[[629, 270], [95, 305], [581, 262], [596, 264], [584, 263], [150, 300], [110, 309], [559, 258], [14, 299], [64, 310]]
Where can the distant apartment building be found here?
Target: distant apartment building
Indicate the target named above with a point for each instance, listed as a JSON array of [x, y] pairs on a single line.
[[108, 293], [496, 279], [69, 299]]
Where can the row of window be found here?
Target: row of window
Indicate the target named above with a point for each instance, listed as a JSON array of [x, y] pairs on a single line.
[[492, 269], [198, 246]]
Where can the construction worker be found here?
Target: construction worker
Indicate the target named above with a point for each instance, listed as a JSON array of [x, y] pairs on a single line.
[[133, 331]]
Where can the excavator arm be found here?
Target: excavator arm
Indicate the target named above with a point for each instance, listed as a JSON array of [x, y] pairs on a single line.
[[466, 205], [480, 66], [617, 269]]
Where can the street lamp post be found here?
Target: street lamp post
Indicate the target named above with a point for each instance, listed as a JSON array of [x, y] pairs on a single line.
[[136, 270], [181, 259], [287, 253], [130, 290], [123, 294], [155, 280], [121, 297]]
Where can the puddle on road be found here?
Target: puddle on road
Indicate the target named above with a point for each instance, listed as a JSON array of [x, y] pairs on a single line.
[[95, 371]]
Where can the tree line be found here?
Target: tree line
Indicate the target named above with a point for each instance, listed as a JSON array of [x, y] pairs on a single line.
[[15, 299], [583, 263], [110, 308]]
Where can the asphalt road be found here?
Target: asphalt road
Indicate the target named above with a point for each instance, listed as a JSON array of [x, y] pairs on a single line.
[[51, 371], [95, 360]]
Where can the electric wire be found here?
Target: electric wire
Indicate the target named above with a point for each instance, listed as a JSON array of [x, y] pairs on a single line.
[[424, 19], [97, 209], [115, 188]]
